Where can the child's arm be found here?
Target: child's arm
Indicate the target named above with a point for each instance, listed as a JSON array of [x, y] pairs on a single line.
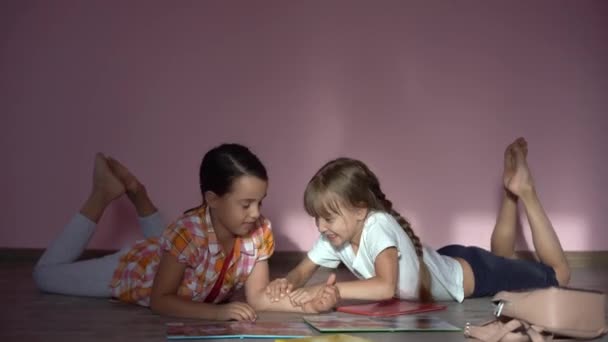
[[380, 287], [325, 298], [302, 273], [164, 299], [296, 278]]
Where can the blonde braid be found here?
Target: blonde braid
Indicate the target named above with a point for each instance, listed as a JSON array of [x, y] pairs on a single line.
[[424, 287]]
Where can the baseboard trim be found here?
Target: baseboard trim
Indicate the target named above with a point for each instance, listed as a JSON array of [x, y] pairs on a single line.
[[575, 258], [33, 254]]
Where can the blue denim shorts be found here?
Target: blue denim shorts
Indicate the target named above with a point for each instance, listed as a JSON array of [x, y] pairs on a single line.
[[494, 273]]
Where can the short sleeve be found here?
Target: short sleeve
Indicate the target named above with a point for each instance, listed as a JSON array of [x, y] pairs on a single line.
[[324, 254], [184, 243], [265, 242], [380, 235]]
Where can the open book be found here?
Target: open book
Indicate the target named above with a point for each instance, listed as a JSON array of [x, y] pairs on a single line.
[[329, 338], [337, 323], [392, 307], [195, 330]]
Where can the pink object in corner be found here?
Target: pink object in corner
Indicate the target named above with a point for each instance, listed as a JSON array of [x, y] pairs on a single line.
[[392, 307], [537, 315]]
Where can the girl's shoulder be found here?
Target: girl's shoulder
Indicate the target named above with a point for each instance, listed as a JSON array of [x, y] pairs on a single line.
[[380, 219], [381, 224], [263, 229], [192, 221], [260, 242], [264, 222]]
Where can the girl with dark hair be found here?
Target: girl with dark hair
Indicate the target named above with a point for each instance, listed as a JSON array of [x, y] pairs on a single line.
[[191, 268]]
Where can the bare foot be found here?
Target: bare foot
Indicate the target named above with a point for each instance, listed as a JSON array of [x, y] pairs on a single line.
[[509, 168], [517, 177], [135, 190], [130, 182], [106, 188], [105, 184]]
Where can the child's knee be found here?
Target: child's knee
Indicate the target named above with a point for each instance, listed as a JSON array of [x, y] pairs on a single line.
[[41, 277], [562, 274]]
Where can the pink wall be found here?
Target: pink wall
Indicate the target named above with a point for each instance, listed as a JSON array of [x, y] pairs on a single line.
[[426, 92]]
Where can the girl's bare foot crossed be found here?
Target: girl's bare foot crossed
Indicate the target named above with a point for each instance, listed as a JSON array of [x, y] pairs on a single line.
[[130, 182], [515, 174], [517, 178], [106, 188], [135, 190]]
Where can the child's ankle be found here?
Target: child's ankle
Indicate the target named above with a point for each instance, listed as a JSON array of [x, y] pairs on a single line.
[[529, 195], [141, 201]]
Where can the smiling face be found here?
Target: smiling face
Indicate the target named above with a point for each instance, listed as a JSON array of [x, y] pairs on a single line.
[[340, 223], [339, 196], [238, 210]]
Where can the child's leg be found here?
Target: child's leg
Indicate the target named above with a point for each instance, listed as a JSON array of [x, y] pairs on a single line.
[[60, 255], [503, 236], [149, 218], [88, 278], [151, 225], [546, 242], [56, 271]]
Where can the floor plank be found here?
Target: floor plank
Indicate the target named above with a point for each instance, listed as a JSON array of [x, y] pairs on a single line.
[[28, 315]]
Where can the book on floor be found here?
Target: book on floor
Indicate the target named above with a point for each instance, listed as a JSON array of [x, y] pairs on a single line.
[[340, 323], [392, 307], [194, 330], [329, 338]]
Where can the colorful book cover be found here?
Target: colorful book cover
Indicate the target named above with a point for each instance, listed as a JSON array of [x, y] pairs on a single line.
[[329, 338], [392, 307], [181, 330], [335, 323]]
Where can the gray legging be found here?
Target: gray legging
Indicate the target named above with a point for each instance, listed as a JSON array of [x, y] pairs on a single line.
[[57, 271]]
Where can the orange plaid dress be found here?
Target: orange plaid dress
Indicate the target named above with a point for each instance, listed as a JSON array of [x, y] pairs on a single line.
[[191, 239]]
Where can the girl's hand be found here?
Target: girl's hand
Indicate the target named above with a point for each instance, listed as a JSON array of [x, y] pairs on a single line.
[[302, 296], [326, 299], [236, 311], [278, 289]]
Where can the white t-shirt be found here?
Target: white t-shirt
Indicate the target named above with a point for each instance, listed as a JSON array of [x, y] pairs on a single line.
[[380, 232]]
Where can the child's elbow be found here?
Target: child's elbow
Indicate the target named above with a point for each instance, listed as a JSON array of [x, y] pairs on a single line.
[[257, 306], [257, 303], [156, 305], [386, 295], [386, 292]]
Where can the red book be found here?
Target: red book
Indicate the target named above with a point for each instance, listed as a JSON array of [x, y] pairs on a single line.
[[391, 307]]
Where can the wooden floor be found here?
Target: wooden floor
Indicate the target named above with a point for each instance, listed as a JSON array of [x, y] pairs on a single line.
[[28, 315]]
